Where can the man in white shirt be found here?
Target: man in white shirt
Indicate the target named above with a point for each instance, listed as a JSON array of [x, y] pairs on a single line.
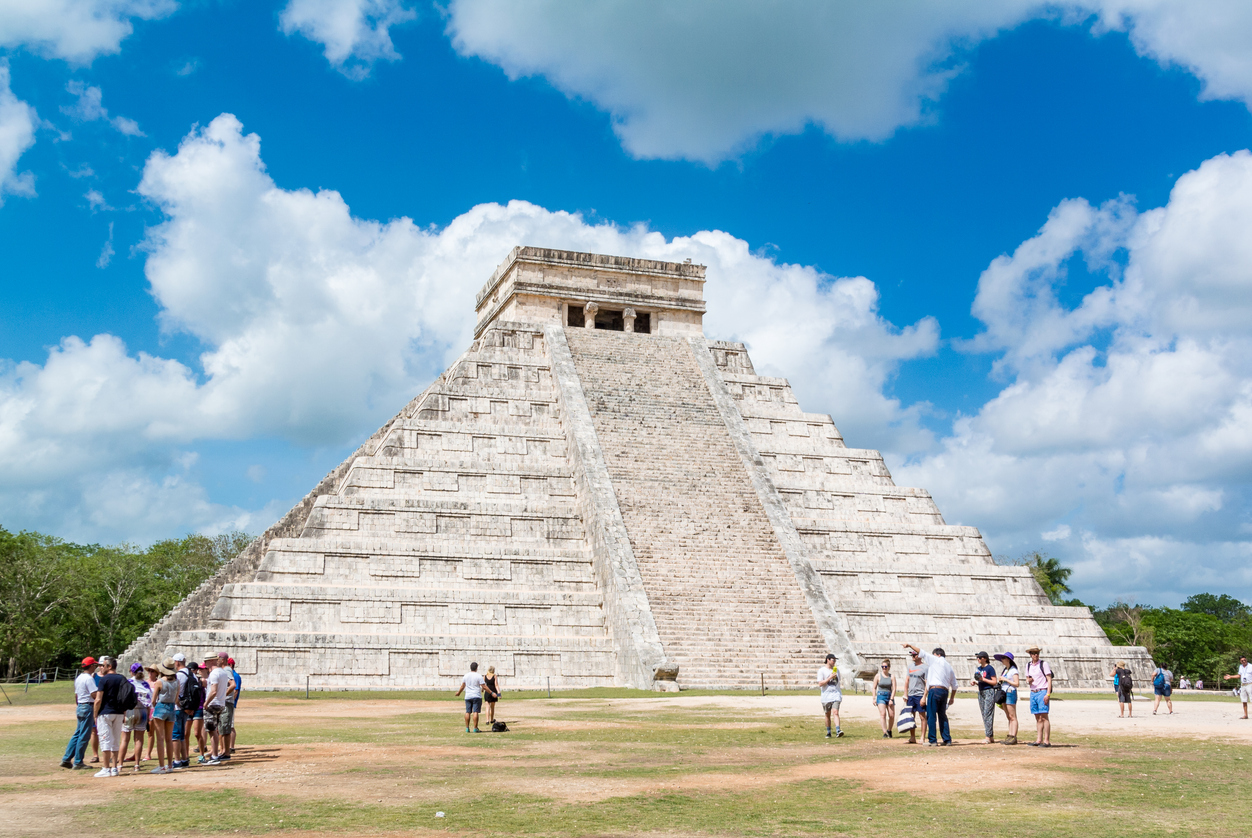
[[221, 684], [85, 697], [940, 693], [832, 696], [1245, 682], [472, 684]]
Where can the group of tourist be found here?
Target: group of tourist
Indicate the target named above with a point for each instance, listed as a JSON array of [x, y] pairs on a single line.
[[1163, 687], [478, 689], [930, 687], [166, 703]]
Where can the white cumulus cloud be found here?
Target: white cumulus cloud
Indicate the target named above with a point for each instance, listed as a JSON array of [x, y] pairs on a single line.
[[1129, 415], [75, 30], [18, 121], [317, 325], [704, 81], [355, 34]]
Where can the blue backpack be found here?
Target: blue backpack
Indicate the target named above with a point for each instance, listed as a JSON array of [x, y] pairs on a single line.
[[1158, 680]]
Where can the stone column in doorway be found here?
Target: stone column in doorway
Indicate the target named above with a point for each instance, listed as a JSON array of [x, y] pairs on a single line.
[[589, 312], [628, 319]]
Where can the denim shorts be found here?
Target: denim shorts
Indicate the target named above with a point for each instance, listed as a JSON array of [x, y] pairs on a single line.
[[1037, 705], [180, 725], [883, 697], [473, 705], [1010, 696], [163, 711]]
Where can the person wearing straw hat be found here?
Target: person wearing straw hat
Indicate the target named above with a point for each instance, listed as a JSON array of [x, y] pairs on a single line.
[[1039, 674], [1123, 683], [1008, 681], [164, 712]]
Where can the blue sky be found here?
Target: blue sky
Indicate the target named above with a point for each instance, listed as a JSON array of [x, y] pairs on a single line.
[[1001, 242]]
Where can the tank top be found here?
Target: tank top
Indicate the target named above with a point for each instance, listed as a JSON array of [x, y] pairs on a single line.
[[887, 684], [491, 685]]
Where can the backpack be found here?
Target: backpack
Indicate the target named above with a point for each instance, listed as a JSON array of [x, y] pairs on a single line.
[[1127, 683], [499, 727], [1158, 680], [126, 697], [191, 695]]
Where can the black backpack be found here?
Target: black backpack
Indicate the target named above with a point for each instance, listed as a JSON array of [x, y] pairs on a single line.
[[1124, 682], [499, 727], [126, 697], [191, 695]]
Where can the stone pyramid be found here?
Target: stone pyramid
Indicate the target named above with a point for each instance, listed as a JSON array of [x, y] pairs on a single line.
[[595, 494]]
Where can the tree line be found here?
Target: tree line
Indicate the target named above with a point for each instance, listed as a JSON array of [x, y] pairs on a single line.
[[1202, 639], [61, 601]]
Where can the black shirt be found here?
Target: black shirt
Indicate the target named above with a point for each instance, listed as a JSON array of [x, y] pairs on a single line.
[[986, 672], [109, 685]]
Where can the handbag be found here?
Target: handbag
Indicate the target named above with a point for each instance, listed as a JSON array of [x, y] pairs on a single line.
[[906, 720]]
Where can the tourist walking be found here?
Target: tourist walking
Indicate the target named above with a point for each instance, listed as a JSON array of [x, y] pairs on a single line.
[[1245, 682], [985, 680], [1124, 685], [110, 709], [491, 693], [84, 710], [164, 711], [832, 696], [1007, 683], [1039, 674], [915, 699], [1162, 688], [940, 694], [472, 685], [884, 687], [135, 720]]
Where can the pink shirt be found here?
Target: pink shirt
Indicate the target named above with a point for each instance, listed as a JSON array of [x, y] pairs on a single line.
[[1038, 674]]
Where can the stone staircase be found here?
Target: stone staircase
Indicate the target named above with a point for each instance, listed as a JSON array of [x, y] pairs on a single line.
[[457, 536], [893, 569], [725, 598]]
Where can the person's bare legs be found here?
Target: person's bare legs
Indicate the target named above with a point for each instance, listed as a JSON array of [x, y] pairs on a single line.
[[1010, 710], [124, 750], [139, 737], [491, 712], [891, 716], [1043, 729], [882, 718], [95, 745]]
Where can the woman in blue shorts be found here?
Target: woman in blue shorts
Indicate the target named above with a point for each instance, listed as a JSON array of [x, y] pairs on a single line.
[[1009, 681], [884, 685]]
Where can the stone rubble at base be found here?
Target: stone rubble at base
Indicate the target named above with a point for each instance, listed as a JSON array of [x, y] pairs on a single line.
[[595, 494]]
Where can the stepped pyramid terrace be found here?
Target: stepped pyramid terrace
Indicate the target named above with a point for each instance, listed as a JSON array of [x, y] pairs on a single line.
[[597, 494]]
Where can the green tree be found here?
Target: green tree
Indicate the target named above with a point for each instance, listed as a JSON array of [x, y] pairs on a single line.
[[1222, 606], [38, 582], [1187, 642], [1051, 575]]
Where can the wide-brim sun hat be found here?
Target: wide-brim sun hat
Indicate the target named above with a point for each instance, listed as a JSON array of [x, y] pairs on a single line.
[[1005, 656], [163, 669], [1033, 650]]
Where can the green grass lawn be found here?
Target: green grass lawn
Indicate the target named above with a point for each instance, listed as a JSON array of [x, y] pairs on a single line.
[[487, 784]]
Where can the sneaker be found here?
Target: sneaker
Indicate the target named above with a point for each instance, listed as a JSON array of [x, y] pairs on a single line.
[[886, 736], [1045, 744], [889, 734], [947, 743], [160, 769], [223, 757], [828, 734], [65, 763], [202, 761], [476, 730], [81, 766], [103, 772], [113, 772], [931, 744], [213, 762], [839, 733]]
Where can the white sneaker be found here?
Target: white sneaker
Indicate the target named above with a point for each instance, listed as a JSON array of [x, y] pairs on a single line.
[[159, 770], [103, 772], [112, 772]]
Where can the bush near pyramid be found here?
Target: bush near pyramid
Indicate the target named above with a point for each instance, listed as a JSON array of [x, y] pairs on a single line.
[[595, 494]]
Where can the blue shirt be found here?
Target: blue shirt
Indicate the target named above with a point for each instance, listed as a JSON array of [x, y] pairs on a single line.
[[234, 699], [987, 671]]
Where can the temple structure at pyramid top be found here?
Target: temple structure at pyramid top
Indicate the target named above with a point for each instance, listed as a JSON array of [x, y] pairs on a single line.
[[589, 290], [596, 494]]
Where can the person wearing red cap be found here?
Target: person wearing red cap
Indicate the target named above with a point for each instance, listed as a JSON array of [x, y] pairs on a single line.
[[85, 696]]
